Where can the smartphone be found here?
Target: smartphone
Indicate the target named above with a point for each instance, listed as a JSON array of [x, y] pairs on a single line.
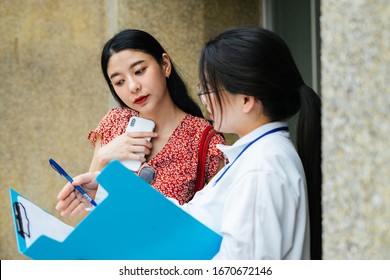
[[137, 124]]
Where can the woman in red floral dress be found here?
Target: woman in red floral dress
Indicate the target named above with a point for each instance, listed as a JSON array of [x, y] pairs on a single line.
[[144, 81]]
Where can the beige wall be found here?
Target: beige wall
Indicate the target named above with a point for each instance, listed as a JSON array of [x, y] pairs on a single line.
[[51, 95], [356, 124], [52, 92]]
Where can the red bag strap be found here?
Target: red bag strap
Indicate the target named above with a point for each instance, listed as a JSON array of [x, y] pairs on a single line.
[[202, 155]]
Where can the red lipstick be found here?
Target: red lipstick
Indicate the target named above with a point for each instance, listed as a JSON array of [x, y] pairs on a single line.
[[141, 100]]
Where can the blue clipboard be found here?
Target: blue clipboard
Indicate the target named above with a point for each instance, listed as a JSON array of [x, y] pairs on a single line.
[[134, 222]]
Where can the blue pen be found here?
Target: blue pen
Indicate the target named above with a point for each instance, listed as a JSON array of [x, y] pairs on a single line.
[[62, 172]]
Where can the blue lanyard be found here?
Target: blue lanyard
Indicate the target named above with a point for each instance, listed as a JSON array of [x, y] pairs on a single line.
[[247, 146]]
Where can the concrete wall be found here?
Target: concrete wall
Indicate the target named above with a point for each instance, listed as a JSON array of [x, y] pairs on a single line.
[[51, 95], [52, 92], [356, 123]]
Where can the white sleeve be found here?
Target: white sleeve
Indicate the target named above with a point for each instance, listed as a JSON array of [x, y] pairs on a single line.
[[254, 218]]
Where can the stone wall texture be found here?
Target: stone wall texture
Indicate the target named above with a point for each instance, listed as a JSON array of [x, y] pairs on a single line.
[[52, 92], [355, 59]]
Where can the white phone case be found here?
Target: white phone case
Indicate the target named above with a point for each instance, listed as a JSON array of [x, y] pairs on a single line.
[[137, 124]]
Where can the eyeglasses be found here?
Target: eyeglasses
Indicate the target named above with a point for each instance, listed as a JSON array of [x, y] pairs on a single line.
[[147, 173], [202, 94]]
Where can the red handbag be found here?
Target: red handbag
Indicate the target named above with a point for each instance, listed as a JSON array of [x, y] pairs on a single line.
[[202, 155]]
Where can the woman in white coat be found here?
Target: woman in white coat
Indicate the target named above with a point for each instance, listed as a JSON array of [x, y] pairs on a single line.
[[266, 202]]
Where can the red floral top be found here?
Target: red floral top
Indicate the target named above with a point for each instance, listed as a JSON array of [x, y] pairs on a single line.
[[176, 163]]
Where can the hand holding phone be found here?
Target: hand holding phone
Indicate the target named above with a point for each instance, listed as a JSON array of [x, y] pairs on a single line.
[[138, 124]]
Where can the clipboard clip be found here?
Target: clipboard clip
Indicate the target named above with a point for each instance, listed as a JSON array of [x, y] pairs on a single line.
[[19, 211]]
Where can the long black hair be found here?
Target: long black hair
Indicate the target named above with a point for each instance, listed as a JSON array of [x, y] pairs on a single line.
[[257, 62], [142, 41]]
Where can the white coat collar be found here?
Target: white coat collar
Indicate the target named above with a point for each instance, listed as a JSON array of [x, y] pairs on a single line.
[[231, 152]]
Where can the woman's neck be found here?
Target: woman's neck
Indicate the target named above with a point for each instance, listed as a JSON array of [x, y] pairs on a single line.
[[166, 119], [252, 125]]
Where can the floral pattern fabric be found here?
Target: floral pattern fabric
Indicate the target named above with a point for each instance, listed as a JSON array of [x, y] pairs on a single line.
[[176, 163]]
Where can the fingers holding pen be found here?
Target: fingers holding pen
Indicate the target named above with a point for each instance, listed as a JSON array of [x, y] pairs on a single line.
[[66, 201], [71, 202], [77, 205], [65, 192]]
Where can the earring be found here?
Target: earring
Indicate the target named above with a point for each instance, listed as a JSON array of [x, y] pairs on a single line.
[[164, 69]]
